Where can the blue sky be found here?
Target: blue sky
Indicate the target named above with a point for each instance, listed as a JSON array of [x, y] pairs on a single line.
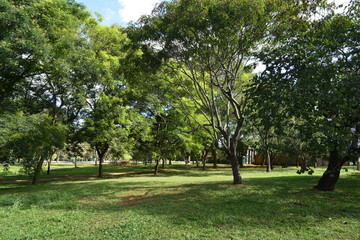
[[123, 11], [120, 11]]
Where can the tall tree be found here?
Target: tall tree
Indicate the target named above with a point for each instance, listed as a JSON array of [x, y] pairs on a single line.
[[314, 74], [209, 46]]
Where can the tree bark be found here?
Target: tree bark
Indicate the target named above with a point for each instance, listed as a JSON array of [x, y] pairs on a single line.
[[37, 171], [163, 163], [358, 164], [49, 167], [101, 174], [233, 157], [214, 157], [101, 151], [235, 168], [268, 161], [331, 175], [156, 166]]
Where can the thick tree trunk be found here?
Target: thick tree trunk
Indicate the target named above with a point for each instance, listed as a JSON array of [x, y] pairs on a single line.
[[37, 171], [235, 169], [331, 175]]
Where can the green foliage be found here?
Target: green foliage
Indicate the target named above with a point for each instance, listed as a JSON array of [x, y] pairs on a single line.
[[302, 170], [29, 139], [311, 83]]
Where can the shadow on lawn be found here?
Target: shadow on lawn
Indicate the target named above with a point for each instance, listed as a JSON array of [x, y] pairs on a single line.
[[260, 201]]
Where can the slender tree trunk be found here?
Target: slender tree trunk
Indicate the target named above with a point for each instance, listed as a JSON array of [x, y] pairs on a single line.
[[188, 160], [49, 167], [101, 150], [170, 161], [268, 161], [358, 164], [331, 175], [204, 157], [214, 157], [163, 163], [156, 166], [37, 171], [101, 159]]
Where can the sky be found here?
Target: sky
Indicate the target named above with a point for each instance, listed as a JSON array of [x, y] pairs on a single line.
[[124, 11]]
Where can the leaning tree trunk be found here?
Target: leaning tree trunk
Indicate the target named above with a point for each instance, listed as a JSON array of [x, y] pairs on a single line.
[[37, 171], [235, 168], [233, 157], [331, 175]]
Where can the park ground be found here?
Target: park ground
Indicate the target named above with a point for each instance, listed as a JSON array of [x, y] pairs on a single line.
[[179, 203]]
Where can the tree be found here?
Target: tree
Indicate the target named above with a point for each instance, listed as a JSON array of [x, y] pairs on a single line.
[[30, 139], [43, 50], [314, 74], [105, 125], [208, 46]]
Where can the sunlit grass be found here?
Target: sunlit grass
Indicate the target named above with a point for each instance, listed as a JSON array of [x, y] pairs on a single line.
[[183, 203]]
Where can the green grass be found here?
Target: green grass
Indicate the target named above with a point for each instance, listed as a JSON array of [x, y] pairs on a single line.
[[183, 203]]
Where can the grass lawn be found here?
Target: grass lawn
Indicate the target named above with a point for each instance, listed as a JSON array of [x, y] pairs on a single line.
[[182, 203]]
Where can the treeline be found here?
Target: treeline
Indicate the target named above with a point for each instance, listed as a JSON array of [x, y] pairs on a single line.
[[193, 78]]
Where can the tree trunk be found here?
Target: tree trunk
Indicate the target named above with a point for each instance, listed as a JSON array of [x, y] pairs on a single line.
[[204, 157], [331, 175], [49, 167], [170, 161], [268, 161], [214, 157], [37, 171], [156, 166], [101, 174], [235, 168], [163, 163], [358, 164], [187, 160]]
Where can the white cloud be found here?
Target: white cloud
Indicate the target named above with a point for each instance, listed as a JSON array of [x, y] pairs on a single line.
[[338, 2], [132, 9]]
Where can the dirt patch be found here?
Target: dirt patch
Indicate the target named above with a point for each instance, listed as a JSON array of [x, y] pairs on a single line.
[[134, 200], [355, 174]]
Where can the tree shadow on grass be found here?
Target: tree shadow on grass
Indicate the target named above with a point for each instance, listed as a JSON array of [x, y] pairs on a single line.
[[259, 203]]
